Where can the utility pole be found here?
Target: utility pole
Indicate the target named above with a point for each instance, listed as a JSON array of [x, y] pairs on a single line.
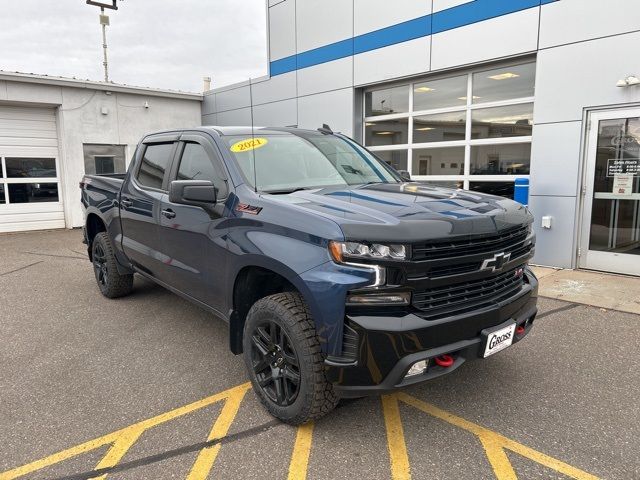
[[104, 22]]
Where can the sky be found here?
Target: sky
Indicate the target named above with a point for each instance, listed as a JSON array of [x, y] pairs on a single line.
[[161, 44]]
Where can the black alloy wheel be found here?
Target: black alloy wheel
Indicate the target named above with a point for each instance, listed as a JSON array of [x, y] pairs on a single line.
[[275, 363], [100, 264], [110, 281]]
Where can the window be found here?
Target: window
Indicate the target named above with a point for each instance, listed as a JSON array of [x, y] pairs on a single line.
[[472, 130], [384, 102], [104, 159], [28, 180], [104, 164], [195, 164], [154, 164]]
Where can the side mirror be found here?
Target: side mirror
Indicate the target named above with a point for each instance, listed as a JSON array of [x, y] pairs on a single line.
[[199, 193], [405, 175]]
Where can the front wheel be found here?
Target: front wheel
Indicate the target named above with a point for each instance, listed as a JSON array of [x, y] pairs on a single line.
[[284, 361], [111, 283]]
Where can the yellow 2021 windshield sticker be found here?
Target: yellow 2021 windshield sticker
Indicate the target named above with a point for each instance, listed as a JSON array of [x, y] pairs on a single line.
[[248, 144]]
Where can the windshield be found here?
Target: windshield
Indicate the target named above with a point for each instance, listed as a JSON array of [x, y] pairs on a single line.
[[288, 162]]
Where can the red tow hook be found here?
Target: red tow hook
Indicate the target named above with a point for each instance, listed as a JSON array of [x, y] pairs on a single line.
[[519, 330], [444, 360]]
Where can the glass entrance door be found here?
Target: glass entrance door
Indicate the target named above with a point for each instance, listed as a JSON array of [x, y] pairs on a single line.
[[611, 223]]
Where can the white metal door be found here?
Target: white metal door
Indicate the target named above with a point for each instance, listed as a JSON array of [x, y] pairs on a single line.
[[610, 237], [30, 190]]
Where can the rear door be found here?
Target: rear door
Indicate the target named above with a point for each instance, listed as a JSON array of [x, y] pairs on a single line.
[[194, 238], [141, 203]]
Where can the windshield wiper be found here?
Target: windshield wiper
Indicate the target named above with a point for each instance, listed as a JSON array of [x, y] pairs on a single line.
[[284, 192]]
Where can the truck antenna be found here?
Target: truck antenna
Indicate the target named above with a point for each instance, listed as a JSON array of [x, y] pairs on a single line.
[[253, 150]]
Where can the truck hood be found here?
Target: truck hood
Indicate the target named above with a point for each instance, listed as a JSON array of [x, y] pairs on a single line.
[[407, 212]]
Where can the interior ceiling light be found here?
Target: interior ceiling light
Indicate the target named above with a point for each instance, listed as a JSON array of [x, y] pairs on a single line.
[[424, 129], [424, 89], [368, 124], [384, 133], [472, 98], [504, 76]]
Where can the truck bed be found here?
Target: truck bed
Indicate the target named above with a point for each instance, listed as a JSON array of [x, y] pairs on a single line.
[[102, 191]]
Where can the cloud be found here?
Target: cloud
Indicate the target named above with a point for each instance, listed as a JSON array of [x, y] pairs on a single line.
[[158, 44]]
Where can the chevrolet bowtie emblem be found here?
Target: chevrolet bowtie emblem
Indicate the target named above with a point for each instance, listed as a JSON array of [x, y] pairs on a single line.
[[496, 263]]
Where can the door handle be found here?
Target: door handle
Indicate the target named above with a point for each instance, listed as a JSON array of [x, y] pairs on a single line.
[[168, 213], [125, 202]]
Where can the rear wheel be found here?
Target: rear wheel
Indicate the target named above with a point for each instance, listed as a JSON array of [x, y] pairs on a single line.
[[111, 283], [284, 361]]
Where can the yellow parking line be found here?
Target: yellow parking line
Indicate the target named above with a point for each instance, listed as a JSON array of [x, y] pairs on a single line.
[[113, 437], [395, 439], [497, 458], [301, 451], [495, 444], [207, 456], [117, 450]]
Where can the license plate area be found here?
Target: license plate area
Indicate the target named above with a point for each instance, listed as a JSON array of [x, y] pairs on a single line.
[[497, 338]]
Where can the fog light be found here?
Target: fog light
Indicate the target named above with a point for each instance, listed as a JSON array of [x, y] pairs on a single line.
[[417, 368], [399, 298]]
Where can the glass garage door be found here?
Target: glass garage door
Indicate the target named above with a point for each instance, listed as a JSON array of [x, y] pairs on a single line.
[[470, 130], [611, 219], [30, 194]]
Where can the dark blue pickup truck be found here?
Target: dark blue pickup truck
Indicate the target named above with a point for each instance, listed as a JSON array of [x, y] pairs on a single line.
[[338, 276]]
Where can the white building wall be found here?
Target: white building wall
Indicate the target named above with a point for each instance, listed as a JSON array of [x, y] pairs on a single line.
[[578, 65], [582, 47], [80, 120]]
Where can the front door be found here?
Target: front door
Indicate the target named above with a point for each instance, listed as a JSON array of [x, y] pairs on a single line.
[[194, 238], [610, 238]]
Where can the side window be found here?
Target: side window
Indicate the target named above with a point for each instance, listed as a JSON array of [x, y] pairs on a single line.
[[196, 164], [154, 164]]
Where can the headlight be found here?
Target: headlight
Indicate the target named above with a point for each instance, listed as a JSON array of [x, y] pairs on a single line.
[[344, 250]]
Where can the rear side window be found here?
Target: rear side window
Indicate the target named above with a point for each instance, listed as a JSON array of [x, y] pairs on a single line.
[[154, 165], [196, 164]]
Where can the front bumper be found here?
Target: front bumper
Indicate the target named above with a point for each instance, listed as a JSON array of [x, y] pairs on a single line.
[[387, 346]]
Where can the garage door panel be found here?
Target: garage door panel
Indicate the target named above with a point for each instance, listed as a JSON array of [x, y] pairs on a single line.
[[33, 224], [33, 142], [29, 200], [12, 112]]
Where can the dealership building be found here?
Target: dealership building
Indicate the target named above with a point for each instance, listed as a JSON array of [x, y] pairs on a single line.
[[473, 94], [464, 94]]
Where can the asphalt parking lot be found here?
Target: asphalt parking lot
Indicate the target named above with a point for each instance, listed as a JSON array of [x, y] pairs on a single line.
[[145, 387]]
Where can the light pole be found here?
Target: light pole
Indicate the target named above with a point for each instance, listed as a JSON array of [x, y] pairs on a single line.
[[104, 21]]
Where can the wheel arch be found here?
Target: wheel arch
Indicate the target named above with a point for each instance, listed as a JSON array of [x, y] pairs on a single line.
[[256, 279]]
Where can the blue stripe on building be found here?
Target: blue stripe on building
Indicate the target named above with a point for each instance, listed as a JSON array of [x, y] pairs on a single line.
[[449, 19]]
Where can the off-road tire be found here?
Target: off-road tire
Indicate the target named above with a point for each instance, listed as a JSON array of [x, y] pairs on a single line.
[[111, 283], [316, 396]]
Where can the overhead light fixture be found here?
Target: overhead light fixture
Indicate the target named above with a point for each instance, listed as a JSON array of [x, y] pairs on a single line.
[[504, 76], [424, 129], [384, 133], [474, 97], [424, 89], [369, 124], [628, 81]]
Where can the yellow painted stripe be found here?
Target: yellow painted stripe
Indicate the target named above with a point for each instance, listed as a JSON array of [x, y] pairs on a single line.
[[207, 456], [495, 440], [112, 437], [301, 451], [395, 439], [498, 458], [118, 450]]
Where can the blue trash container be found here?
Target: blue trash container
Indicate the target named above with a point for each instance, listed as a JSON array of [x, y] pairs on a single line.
[[521, 191]]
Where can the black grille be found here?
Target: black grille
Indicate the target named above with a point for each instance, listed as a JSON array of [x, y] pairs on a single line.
[[506, 241], [461, 297]]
